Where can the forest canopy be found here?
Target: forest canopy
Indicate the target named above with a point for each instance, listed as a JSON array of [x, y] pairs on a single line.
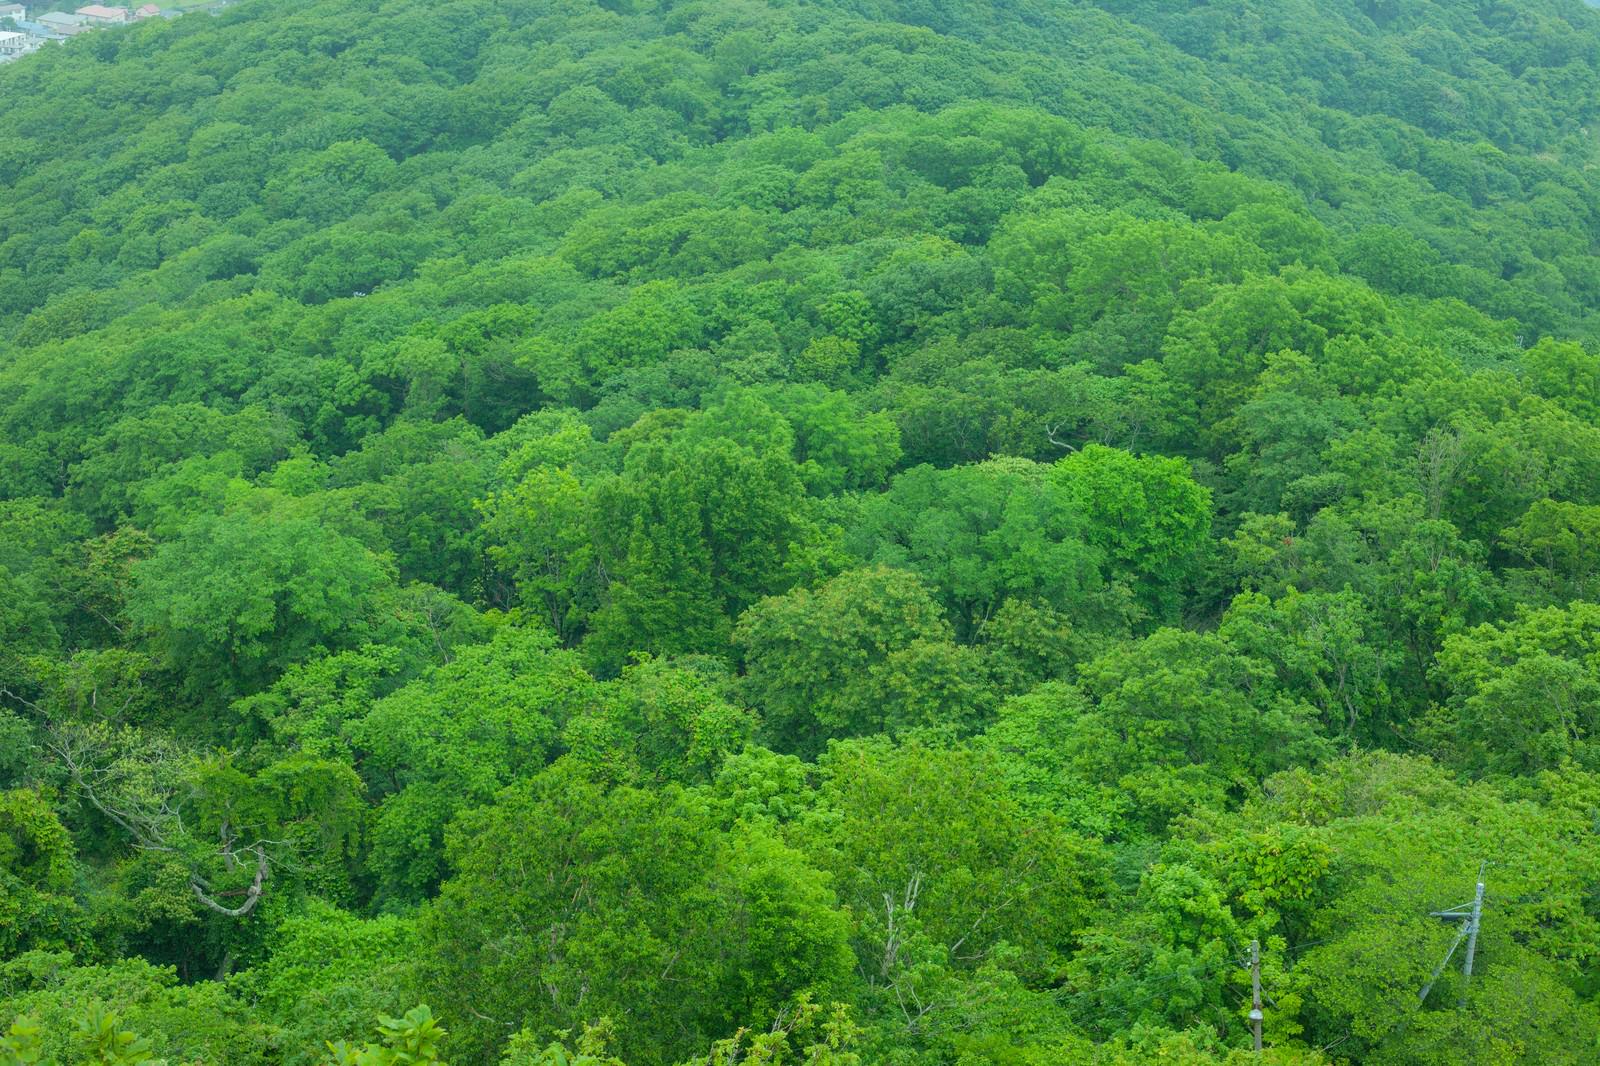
[[640, 533]]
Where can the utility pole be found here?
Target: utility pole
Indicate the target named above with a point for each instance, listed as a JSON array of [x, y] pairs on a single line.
[[1471, 915], [1255, 993], [1472, 937]]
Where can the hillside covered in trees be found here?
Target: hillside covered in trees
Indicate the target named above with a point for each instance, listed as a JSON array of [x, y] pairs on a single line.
[[833, 532]]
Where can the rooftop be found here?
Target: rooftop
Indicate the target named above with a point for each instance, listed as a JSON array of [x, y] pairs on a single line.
[[99, 11]]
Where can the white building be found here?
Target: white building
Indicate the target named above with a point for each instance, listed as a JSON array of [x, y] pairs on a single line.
[[12, 44], [60, 22], [14, 12]]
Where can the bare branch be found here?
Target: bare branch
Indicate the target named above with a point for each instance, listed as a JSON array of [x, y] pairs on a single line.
[[252, 894], [154, 829], [1050, 435]]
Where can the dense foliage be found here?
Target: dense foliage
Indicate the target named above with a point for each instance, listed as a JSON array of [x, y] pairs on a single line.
[[794, 531]]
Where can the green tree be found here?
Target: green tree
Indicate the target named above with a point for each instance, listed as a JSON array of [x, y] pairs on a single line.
[[943, 870], [623, 900], [1327, 649], [1522, 695], [125, 1012], [1558, 540], [1146, 514], [1152, 730], [1390, 869], [238, 597], [660, 721], [980, 534], [38, 871], [867, 652], [324, 973], [703, 521], [451, 739]]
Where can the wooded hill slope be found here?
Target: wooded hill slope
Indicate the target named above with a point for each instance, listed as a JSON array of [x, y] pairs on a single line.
[[801, 532]]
